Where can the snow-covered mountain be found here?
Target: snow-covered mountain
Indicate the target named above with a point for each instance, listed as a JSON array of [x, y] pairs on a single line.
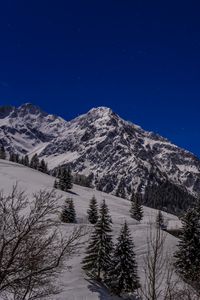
[[100, 144]]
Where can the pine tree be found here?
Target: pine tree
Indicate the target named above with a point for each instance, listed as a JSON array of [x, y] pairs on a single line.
[[136, 210], [59, 172], [98, 253], [65, 180], [2, 152], [43, 167], [93, 211], [160, 219], [12, 157], [34, 164], [21, 160], [187, 257], [26, 161], [122, 276], [55, 184], [62, 180], [69, 179], [17, 160], [68, 214]]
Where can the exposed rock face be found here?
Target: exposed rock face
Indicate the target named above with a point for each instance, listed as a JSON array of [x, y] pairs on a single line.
[[101, 144]]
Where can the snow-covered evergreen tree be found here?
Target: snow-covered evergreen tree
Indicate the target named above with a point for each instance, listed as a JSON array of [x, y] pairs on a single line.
[[136, 210], [34, 163], [69, 179], [93, 211], [65, 180], [122, 277], [68, 214], [187, 257], [2, 152], [12, 156], [98, 252], [26, 161], [62, 180], [55, 185], [21, 161], [43, 166], [17, 160], [160, 219]]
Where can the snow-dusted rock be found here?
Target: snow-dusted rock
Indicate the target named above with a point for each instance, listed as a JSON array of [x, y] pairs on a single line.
[[101, 144]]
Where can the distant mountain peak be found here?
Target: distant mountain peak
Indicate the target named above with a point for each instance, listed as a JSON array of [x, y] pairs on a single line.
[[101, 144], [30, 108], [102, 109]]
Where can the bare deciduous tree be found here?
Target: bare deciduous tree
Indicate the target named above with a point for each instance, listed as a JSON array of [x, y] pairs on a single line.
[[154, 264], [32, 246], [161, 280]]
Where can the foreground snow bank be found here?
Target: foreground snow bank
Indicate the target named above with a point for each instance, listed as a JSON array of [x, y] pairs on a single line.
[[73, 281]]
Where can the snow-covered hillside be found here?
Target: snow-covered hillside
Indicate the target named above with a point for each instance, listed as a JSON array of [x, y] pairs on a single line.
[[99, 144], [74, 282]]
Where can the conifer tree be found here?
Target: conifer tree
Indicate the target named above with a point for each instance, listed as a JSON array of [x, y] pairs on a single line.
[[68, 214], [160, 219], [98, 252], [122, 276], [93, 211], [69, 179], [59, 172], [62, 180], [43, 167], [2, 152], [21, 161], [55, 184], [12, 157], [26, 161], [187, 257], [136, 210], [17, 158], [65, 180], [34, 164]]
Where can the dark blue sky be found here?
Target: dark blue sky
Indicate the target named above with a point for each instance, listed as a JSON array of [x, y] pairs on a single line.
[[141, 58]]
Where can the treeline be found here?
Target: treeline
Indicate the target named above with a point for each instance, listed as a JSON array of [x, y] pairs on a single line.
[[2, 152], [65, 180], [168, 197], [64, 176], [34, 163], [164, 196]]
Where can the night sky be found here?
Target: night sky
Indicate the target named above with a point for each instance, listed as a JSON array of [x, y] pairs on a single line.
[[141, 58]]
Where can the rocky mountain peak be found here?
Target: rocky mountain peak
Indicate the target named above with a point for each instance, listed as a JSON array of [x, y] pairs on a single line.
[[101, 111], [101, 144], [29, 108]]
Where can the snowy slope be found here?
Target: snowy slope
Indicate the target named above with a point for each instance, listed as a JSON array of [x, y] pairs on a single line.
[[74, 283], [100, 144]]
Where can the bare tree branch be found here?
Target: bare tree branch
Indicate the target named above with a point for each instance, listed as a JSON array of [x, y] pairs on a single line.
[[33, 247]]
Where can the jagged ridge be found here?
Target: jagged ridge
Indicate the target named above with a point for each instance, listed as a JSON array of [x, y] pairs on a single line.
[[99, 144]]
